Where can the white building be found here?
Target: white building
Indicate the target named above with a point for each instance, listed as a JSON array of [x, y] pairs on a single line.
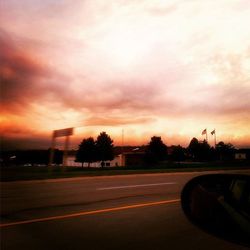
[[116, 162]]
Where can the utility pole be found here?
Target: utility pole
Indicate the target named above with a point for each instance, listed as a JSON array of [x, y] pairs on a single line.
[[122, 140]]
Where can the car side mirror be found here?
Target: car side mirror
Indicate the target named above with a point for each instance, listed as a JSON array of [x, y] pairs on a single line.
[[220, 205]]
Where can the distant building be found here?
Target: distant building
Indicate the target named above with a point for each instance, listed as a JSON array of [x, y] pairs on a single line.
[[127, 156], [116, 162], [242, 154], [132, 158]]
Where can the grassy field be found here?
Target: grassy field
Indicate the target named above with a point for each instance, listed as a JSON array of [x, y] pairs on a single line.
[[14, 173]]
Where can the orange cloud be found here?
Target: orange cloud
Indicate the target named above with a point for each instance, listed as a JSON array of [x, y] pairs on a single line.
[[116, 121]]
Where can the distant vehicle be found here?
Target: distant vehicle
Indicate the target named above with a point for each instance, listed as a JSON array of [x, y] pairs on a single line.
[[40, 165], [27, 165]]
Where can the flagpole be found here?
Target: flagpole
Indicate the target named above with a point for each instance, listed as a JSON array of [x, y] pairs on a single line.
[[214, 134], [204, 132], [214, 139]]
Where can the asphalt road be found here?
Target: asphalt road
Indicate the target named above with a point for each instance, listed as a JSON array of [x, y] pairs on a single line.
[[114, 212]]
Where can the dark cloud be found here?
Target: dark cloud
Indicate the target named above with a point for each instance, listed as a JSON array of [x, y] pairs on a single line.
[[20, 74], [123, 95], [9, 143]]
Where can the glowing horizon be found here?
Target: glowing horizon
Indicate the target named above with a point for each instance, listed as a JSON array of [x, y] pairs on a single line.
[[166, 68]]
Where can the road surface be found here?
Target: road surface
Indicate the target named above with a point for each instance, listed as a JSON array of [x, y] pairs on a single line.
[[113, 212]]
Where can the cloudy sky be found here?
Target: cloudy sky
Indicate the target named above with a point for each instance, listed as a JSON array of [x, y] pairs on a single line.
[[166, 68]]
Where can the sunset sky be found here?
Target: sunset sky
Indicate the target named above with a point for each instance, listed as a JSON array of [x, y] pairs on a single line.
[[165, 68]]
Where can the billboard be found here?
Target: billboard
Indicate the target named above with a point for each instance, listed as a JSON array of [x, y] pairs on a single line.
[[63, 132]]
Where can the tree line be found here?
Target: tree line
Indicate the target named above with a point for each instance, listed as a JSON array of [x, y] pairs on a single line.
[[196, 151], [102, 149], [32, 157]]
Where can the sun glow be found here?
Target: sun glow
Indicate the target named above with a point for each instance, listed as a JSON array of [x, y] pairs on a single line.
[[209, 78], [125, 47]]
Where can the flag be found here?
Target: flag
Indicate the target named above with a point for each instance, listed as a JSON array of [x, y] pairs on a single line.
[[204, 132], [213, 132]]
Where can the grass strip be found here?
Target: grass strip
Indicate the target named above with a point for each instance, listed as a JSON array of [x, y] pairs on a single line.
[[17, 173]]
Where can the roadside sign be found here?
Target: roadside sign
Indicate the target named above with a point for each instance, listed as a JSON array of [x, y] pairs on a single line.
[[63, 132], [66, 132]]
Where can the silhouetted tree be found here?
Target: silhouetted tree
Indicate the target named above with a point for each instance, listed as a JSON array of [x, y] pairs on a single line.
[[204, 151], [199, 151], [156, 150], [178, 153], [212, 154], [225, 151], [87, 151], [105, 148], [32, 157], [193, 148]]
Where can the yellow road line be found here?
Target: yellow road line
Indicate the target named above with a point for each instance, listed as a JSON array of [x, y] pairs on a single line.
[[59, 217]]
